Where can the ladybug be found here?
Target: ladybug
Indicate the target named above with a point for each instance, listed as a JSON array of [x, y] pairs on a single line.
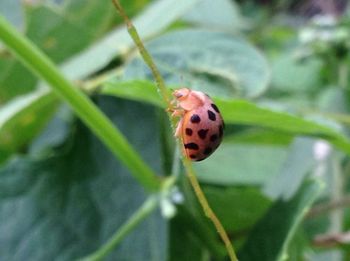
[[201, 125]]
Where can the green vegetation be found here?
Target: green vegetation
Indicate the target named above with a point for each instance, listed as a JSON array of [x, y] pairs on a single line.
[[88, 165]]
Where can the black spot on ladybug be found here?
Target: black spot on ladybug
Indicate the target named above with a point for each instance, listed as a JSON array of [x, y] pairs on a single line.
[[215, 108], [188, 132], [203, 133], [195, 118], [221, 131], [207, 151], [213, 137], [193, 156], [211, 115], [191, 146]]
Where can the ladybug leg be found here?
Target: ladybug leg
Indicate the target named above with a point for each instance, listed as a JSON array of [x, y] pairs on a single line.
[[178, 128]]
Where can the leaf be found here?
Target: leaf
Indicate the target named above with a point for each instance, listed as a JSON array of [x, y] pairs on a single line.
[[290, 74], [64, 206], [143, 91], [298, 163], [11, 9], [214, 62], [231, 164], [157, 17], [238, 208], [247, 113], [22, 119], [271, 236], [222, 14], [59, 37]]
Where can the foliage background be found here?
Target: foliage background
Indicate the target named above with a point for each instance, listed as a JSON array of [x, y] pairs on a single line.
[[279, 74]]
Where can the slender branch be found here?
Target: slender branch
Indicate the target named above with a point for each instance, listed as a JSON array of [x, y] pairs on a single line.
[[208, 211], [329, 206], [147, 208], [187, 164], [144, 53], [86, 110]]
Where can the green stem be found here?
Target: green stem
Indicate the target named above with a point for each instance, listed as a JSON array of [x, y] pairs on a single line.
[[144, 53], [208, 211], [147, 208], [187, 164], [40, 64]]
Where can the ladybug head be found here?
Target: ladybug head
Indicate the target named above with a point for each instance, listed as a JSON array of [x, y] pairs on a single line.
[[181, 94]]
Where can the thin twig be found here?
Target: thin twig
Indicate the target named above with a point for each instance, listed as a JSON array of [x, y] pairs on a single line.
[[144, 53], [187, 164], [329, 206]]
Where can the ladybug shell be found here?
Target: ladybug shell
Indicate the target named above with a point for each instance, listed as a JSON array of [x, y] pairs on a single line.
[[202, 131]]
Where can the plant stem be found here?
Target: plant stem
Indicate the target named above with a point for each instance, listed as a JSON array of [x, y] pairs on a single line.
[[208, 211], [147, 208], [86, 110], [187, 164], [144, 53]]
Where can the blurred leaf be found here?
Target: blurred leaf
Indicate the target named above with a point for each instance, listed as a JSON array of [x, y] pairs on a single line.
[[247, 113], [12, 10], [290, 74], [65, 206], [154, 19], [15, 79], [143, 91], [299, 162], [271, 237], [231, 164], [223, 14], [237, 208], [213, 62], [64, 32], [22, 119]]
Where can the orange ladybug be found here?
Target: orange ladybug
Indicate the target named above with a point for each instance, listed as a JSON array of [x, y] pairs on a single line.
[[201, 125]]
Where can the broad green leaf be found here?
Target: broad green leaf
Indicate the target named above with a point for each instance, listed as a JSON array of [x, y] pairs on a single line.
[[235, 163], [11, 9], [247, 113], [298, 164], [22, 119], [154, 19], [290, 74], [214, 62], [145, 90], [224, 14], [238, 208], [66, 205], [271, 237], [60, 36]]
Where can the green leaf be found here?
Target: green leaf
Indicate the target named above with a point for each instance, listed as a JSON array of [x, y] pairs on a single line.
[[23, 118], [298, 163], [224, 14], [271, 236], [246, 113], [66, 205], [231, 164], [238, 208], [290, 74], [154, 19], [143, 91], [213, 62], [11, 9], [65, 32]]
